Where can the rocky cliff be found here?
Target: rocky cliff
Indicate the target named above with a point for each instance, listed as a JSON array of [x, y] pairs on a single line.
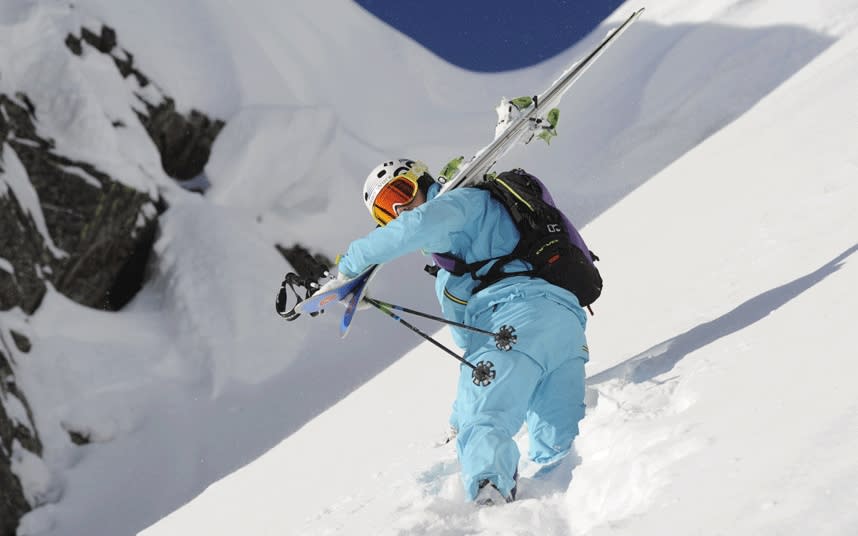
[[71, 224]]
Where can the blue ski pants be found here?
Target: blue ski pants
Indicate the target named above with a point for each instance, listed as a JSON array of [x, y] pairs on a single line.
[[540, 382]]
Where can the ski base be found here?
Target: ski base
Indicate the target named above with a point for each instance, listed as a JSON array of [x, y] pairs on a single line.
[[358, 293], [317, 302]]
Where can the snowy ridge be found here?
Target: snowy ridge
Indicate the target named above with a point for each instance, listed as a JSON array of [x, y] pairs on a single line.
[[77, 99], [711, 156]]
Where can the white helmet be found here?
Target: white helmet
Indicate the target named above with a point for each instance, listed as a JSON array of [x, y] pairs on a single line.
[[385, 172]]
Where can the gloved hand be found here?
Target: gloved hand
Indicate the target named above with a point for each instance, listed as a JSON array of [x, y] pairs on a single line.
[[333, 283], [339, 281]]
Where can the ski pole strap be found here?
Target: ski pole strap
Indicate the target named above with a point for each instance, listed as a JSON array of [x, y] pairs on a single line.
[[292, 280]]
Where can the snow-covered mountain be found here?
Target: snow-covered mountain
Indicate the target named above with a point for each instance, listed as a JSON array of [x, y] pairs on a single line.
[[709, 158]]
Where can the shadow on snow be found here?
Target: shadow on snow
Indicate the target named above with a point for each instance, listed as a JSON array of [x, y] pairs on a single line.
[[664, 356]]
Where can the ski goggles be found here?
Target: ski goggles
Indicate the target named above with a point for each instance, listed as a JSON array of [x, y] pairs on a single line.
[[400, 191]]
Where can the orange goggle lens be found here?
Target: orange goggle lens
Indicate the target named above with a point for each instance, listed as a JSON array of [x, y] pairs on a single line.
[[399, 191]]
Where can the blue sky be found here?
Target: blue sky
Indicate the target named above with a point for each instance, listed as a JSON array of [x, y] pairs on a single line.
[[491, 36]]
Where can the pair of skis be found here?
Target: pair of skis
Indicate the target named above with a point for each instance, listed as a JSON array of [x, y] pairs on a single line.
[[350, 293], [485, 159], [353, 291]]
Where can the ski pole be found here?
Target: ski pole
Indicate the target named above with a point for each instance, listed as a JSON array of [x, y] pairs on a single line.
[[483, 372], [378, 305], [505, 337]]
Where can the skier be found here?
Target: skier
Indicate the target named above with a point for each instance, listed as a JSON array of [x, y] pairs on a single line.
[[541, 380]]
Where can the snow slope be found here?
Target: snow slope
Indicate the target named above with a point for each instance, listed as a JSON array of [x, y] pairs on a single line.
[[711, 154]]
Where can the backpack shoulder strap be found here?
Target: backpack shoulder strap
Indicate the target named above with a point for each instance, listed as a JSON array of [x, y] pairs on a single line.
[[457, 266], [515, 191]]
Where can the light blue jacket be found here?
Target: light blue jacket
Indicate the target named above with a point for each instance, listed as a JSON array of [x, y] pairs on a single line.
[[471, 225]]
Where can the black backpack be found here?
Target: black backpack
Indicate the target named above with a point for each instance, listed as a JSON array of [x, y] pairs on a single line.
[[549, 242]]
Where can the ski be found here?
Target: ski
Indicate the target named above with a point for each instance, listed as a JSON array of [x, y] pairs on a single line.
[[485, 159], [357, 294], [317, 302]]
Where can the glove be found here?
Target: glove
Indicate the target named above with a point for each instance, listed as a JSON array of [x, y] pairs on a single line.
[[333, 283], [340, 280]]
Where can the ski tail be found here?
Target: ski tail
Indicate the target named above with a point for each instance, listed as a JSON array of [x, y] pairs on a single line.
[[317, 302], [357, 294]]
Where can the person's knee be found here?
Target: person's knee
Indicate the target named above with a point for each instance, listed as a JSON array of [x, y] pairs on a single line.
[[552, 433], [494, 423], [548, 444]]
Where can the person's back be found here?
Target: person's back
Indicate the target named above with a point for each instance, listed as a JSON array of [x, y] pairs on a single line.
[[487, 232]]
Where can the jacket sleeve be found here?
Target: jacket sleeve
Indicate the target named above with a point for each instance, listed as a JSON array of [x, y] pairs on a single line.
[[430, 227]]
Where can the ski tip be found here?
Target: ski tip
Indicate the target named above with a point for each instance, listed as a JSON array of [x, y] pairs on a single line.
[[345, 325]]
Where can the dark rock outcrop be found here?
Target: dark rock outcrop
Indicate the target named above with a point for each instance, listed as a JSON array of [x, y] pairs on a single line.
[[13, 505], [99, 223], [100, 232], [96, 237], [183, 140]]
